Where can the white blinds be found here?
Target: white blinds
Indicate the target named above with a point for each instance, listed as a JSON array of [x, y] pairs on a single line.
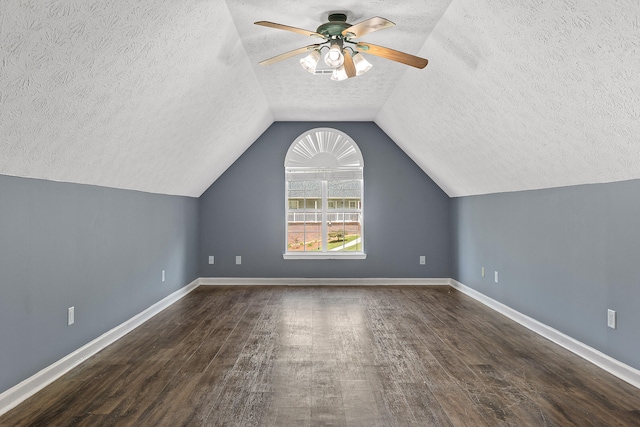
[[323, 175]]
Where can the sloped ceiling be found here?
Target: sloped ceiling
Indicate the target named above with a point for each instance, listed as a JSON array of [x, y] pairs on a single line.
[[524, 94], [163, 95], [156, 96]]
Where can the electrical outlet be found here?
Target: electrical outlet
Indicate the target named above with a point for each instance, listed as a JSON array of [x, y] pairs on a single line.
[[210, 259], [482, 271], [423, 260], [611, 319], [238, 259], [163, 275], [71, 315], [495, 276]]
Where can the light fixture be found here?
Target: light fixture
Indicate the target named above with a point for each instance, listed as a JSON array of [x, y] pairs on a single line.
[[339, 74], [310, 61], [362, 65], [334, 58]]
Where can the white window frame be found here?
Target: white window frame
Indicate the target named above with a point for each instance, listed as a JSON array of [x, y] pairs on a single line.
[[324, 154]]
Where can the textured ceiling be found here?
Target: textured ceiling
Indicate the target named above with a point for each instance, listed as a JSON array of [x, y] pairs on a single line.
[[163, 95], [156, 95], [522, 95]]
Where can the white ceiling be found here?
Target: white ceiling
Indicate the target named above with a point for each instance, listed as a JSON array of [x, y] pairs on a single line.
[[524, 94], [163, 95], [155, 95]]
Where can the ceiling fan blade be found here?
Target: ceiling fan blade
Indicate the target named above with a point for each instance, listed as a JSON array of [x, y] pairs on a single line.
[[349, 66], [289, 54], [394, 55], [288, 28], [366, 27]]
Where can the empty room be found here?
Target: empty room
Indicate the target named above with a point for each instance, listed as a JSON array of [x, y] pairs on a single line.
[[239, 213]]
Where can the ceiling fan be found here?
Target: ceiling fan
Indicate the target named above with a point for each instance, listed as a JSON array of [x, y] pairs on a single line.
[[344, 53]]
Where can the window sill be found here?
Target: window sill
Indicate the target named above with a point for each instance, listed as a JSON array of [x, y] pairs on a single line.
[[325, 255]]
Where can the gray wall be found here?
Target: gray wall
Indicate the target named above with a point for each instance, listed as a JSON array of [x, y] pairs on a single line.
[[406, 214], [564, 256], [98, 249]]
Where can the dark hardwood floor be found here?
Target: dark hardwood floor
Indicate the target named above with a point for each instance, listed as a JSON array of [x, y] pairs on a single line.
[[360, 356]]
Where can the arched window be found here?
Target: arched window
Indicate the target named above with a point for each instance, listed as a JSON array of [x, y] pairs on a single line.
[[324, 197]]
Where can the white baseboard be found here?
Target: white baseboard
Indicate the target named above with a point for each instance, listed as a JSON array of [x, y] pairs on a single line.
[[328, 281], [609, 364], [27, 388]]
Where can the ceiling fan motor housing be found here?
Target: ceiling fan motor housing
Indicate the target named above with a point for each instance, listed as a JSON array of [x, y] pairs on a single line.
[[336, 25]]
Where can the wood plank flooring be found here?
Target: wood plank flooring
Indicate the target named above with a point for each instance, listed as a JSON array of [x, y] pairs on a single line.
[[341, 356]]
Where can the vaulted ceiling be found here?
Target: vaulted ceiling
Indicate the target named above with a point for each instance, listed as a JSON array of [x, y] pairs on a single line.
[[164, 95]]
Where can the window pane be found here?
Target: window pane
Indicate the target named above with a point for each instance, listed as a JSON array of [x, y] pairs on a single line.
[[314, 236], [305, 236], [312, 189], [304, 217], [344, 189], [305, 190], [296, 190], [344, 224], [295, 237]]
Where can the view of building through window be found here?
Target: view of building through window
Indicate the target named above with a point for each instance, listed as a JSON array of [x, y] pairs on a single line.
[[342, 214]]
